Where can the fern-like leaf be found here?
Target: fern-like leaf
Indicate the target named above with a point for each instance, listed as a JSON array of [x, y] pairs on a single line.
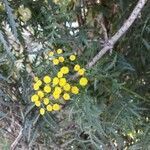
[[5, 45], [11, 18]]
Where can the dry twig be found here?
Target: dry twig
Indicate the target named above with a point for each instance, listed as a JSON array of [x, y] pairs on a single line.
[[15, 143]]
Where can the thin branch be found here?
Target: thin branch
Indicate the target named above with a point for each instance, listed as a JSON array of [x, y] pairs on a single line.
[[67, 143], [15, 143], [111, 42], [64, 133], [104, 29]]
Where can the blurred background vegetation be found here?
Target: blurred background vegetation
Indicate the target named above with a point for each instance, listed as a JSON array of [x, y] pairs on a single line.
[[112, 112]]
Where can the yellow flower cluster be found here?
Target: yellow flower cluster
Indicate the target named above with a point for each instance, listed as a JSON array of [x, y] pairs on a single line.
[[51, 92], [59, 59]]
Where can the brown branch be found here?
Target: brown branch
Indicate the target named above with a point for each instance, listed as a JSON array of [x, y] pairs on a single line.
[[15, 143], [104, 29], [67, 143], [112, 41]]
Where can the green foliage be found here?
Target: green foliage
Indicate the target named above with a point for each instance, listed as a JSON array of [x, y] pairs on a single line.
[[11, 18], [113, 111]]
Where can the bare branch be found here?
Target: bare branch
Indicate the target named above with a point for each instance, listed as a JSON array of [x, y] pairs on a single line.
[[17, 140], [119, 33], [104, 29]]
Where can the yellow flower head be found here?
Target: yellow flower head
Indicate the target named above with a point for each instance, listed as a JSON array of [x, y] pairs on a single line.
[[39, 82], [67, 87], [24, 13], [81, 71], [72, 57], [49, 107], [42, 111], [36, 79], [57, 90], [76, 67], [59, 74], [37, 103], [55, 81], [46, 101], [56, 95], [59, 51], [51, 54], [55, 61], [56, 107], [47, 79], [47, 89], [40, 94], [62, 81], [66, 96], [36, 87], [34, 98], [56, 1], [75, 90], [61, 59], [64, 70], [83, 81]]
